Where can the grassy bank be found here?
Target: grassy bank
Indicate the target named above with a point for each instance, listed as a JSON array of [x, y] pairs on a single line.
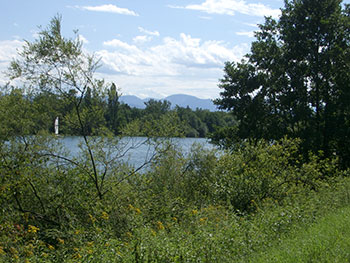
[[241, 206], [327, 240]]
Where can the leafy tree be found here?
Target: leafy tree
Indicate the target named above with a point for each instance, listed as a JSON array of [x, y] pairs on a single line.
[[58, 65], [156, 108], [295, 79], [113, 109]]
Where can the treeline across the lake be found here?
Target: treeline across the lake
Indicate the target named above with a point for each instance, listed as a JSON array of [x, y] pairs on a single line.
[[278, 190], [101, 110]]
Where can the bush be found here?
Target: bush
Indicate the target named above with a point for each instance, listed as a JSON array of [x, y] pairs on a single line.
[[252, 173]]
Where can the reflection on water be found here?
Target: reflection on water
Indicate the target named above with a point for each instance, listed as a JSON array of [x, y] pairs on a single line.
[[134, 150]]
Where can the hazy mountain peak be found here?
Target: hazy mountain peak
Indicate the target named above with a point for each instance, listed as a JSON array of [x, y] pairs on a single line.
[[181, 100]]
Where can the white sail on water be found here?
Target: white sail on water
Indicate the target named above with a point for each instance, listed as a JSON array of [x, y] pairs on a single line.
[[56, 126]]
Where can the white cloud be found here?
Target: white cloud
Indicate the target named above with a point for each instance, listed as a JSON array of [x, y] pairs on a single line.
[[83, 39], [152, 33], [176, 65], [230, 7], [142, 39], [110, 9], [8, 51], [171, 57], [245, 33]]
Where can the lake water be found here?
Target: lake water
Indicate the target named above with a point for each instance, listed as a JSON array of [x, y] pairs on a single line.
[[134, 150]]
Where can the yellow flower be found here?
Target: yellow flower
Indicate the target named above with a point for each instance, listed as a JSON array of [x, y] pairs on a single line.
[[33, 229], [194, 211], [44, 255], [77, 232], [175, 219], [16, 256], [203, 219], [160, 225], [137, 210], [105, 216], [90, 251], [77, 255], [90, 244], [30, 246], [2, 250], [131, 207], [50, 247], [13, 250], [76, 249], [61, 241], [29, 253], [93, 219]]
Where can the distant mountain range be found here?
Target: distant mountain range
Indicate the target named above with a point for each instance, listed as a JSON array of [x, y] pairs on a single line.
[[181, 100]]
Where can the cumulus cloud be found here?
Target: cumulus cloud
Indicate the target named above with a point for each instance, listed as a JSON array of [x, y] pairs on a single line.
[[184, 64], [151, 33], [110, 9], [8, 51], [142, 39], [83, 39], [230, 7], [171, 57]]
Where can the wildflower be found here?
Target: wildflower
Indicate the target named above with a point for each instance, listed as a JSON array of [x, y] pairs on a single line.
[[2, 252], [105, 216], [137, 210], [44, 255], [77, 232], [61, 241], [203, 219], [194, 211], [13, 250], [33, 229], [16, 256], [29, 253], [30, 246], [76, 249], [131, 207], [51, 247], [107, 244], [77, 255], [160, 225], [92, 218], [90, 244], [175, 219], [90, 251]]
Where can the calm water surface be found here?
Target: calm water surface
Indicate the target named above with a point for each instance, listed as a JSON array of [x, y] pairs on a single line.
[[134, 151]]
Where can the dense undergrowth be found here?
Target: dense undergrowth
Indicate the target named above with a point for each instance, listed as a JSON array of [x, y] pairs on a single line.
[[204, 207]]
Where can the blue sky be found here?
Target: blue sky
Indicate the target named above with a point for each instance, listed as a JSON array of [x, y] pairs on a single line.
[[151, 48]]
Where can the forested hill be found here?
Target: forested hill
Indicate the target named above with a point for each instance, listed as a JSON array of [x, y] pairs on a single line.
[[181, 100], [108, 110]]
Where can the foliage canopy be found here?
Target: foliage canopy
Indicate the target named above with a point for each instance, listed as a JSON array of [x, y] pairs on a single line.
[[295, 81]]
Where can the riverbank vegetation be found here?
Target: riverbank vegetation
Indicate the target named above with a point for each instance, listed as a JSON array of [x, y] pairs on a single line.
[[103, 110], [277, 192]]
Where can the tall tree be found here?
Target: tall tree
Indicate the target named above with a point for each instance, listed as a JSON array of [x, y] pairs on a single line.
[[56, 64], [295, 79]]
